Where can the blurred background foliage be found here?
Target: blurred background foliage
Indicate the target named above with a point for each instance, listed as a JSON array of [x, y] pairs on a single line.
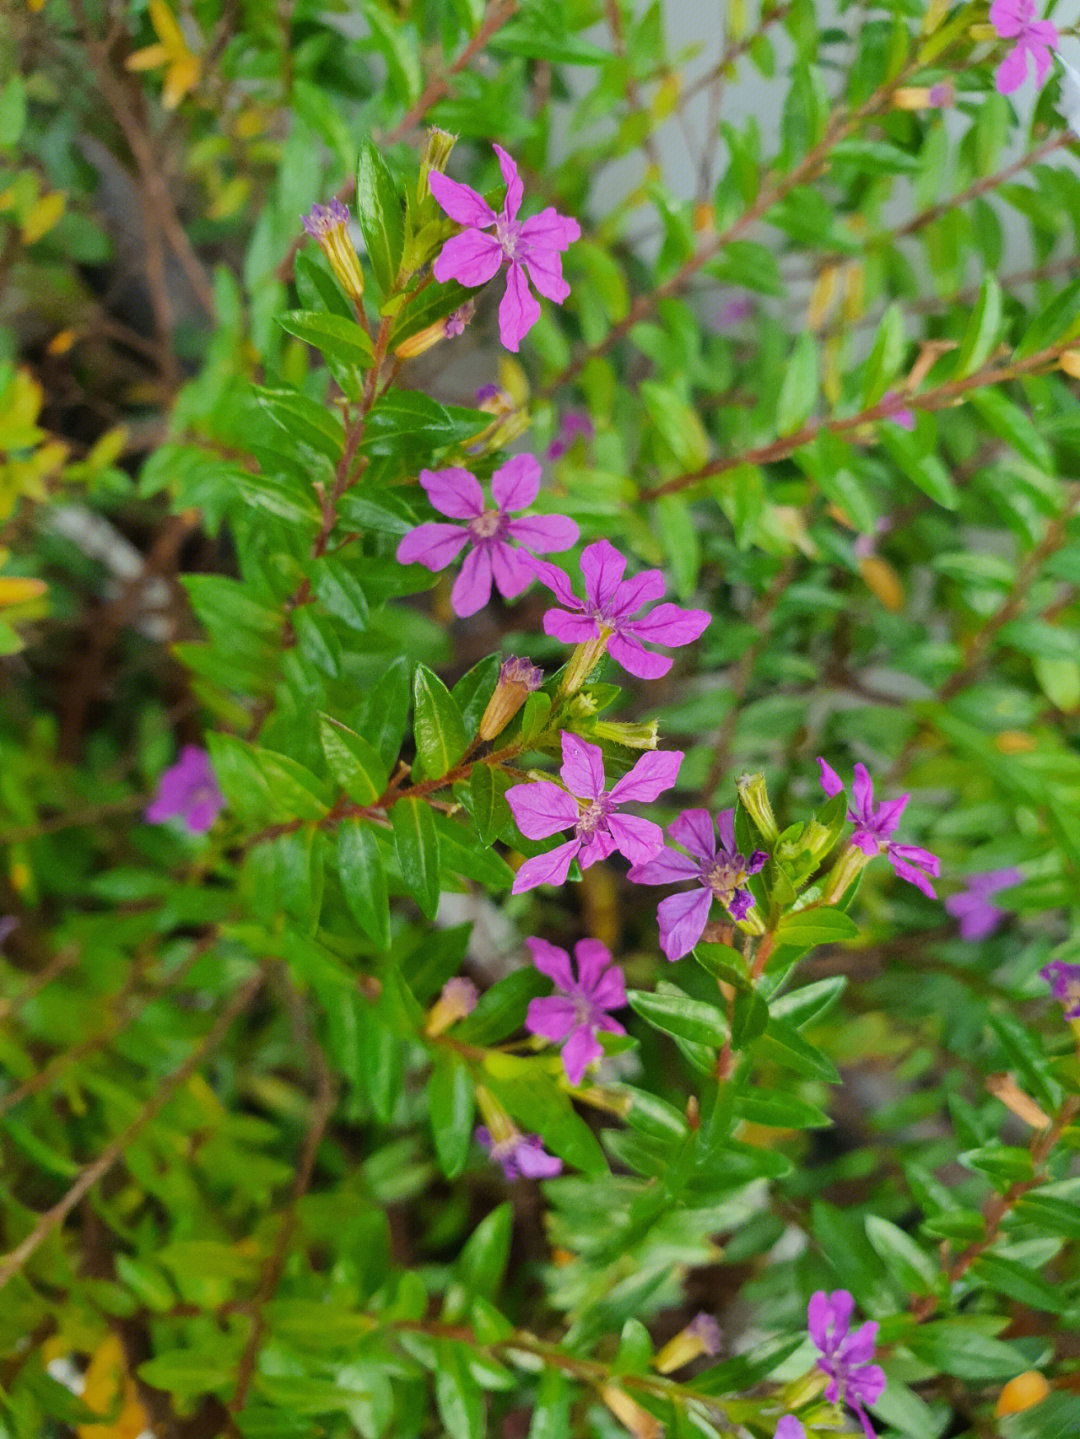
[[238, 1192]]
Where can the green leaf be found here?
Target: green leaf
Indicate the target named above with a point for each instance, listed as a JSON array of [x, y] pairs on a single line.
[[780, 1109], [922, 469], [458, 1396], [551, 1410], [489, 808], [914, 1271], [188, 1372], [1060, 320], [501, 1009], [355, 764], [451, 1105], [808, 927], [433, 303], [12, 111], [363, 878], [460, 854], [418, 851], [378, 210], [1020, 1282], [1055, 1417], [885, 358], [783, 1044], [677, 423], [539, 1105], [337, 338], [481, 1266], [384, 716], [799, 389], [437, 724], [957, 1347], [316, 426], [981, 334], [317, 288], [675, 1013], [408, 412]]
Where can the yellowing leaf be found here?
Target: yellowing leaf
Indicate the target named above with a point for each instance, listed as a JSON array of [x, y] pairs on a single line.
[[108, 1381], [17, 589], [42, 216]]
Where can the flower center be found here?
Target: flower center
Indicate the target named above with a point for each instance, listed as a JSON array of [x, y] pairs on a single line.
[[508, 233], [591, 817], [725, 877], [487, 525]]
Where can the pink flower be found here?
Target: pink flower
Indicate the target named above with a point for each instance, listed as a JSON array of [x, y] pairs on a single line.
[[899, 414], [718, 872], [978, 917], [609, 606], [522, 1156], [544, 808], [488, 532], [789, 1428], [533, 248], [572, 424], [1014, 20], [845, 1357], [874, 823], [582, 1008], [1064, 981], [188, 790]]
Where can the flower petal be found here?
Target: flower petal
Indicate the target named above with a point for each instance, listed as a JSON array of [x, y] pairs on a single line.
[[549, 868], [1007, 18], [518, 309], [671, 625], [571, 629], [593, 958], [725, 824], [596, 846], [831, 782], [551, 1018], [579, 1051], [682, 919], [557, 581], [550, 231], [461, 202], [862, 796], [432, 545], [694, 831], [545, 532], [668, 867], [472, 258], [552, 961], [512, 576], [542, 808], [545, 271], [516, 484], [639, 590], [1012, 72], [637, 839], [582, 767], [655, 771], [635, 659], [472, 588], [533, 1161], [603, 566], [454, 492], [514, 187]]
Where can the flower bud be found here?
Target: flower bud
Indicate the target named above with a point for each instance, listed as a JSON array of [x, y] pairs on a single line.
[[583, 661], [1069, 361], [631, 735], [630, 1414], [458, 998], [844, 873], [518, 679], [754, 798], [327, 224], [436, 153], [447, 329], [1023, 1392], [499, 1124], [701, 1336]]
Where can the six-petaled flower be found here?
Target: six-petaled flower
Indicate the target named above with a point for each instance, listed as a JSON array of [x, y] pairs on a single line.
[[521, 1156], [1064, 981], [719, 871], [491, 535], [544, 808], [845, 1357], [1015, 20], [531, 248], [187, 790], [607, 613], [875, 823], [582, 1007], [978, 917]]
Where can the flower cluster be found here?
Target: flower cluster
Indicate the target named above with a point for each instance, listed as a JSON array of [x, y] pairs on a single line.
[[875, 823], [1035, 40]]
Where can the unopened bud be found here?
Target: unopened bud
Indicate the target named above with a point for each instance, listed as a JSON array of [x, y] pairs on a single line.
[[844, 873], [328, 224], [436, 153], [458, 998], [701, 1336], [641, 1424], [518, 679], [642, 735], [428, 338], [754, 798], [1023, 1392], [1069, 361], [583, 661], [499, 1124]]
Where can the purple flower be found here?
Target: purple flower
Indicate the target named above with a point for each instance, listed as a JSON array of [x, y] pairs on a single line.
[[582, 1008], [544, 808], [533, 248], [875, 823], [845, 1357], [455, 322], [1064, 981], [720, 872], [488, 532], [189, 791], [522, 1156], [321, 219], [1015, 20], [978, 917], [609, 606], [790, 1428], [943, 94], [572, 424], [739, 307], [899, 414]]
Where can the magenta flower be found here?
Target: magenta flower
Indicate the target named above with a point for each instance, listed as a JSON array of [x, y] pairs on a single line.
[[1015, 20], [1064, 981], [572, 424], [608, 609], [582, 1008], [789, 1428], [978, 917], [522, 1156], [845, 1357], [875, 823], [899, 414], [719, 872], [188, 790], [532, 248], [491, 534], [544, 808]]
